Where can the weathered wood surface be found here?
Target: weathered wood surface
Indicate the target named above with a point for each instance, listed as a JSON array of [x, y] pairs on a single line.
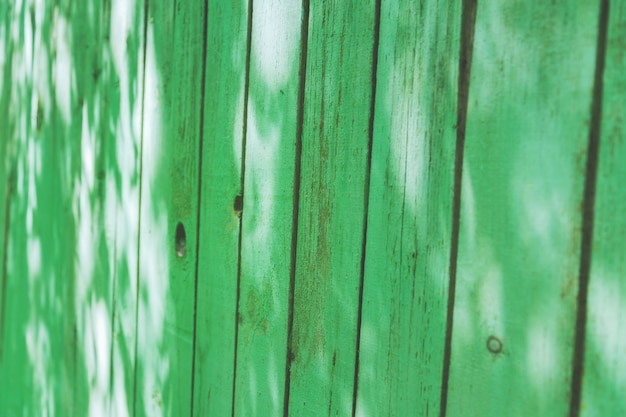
[[604, 370], [294, 208], [410, 211], [268, 207], [332, 206], [173, 104], [220, 225], [528, 120]]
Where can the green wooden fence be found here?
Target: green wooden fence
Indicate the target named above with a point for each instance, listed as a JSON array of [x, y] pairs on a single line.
[[309, 208]]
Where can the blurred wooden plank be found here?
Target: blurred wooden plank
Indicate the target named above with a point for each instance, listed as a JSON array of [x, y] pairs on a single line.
[[169, 195], [121, 112], [16, 368], [410, 211], [53, 249], [332, 202], [267, 217], [524, 169], [220, 210], [604, 372], [91, 259], [6, 137]]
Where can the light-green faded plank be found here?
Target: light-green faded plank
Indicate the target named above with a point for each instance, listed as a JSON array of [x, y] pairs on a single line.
[[218, 256], [334, 168], [169, 196], [524, 169], [91, 260], [267, 217], [410, 210], [604, 372], [121, 112]]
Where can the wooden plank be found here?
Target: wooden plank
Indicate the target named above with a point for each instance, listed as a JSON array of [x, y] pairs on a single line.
[[410, 211], [169, 195], [268, 208], [220, 224], [334, 168], [14, 359], [604, 369], [7, 137], [122, 73], [88, 261], [523, 174]]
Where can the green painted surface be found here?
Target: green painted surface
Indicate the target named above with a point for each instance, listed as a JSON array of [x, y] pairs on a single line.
[[267, 218], [604, 372], [219, 221], [56, 326], [7, 128], [168, 213], [408, 234], [335, 142], [523, 174], [122, 133], [119, 129]]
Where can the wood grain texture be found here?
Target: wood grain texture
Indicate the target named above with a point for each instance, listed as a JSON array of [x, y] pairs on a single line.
[[335, 147], [267, 217], [523, 174], [410, 211], [605, 346], [249, 208], [218, 257], [168, 222]]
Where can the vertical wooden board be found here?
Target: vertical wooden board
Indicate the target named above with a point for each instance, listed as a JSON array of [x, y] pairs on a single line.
[[7, 126], [218, 256], [604, 372], [410, 204], [334, 170], [523, 174], [268, 208], [168, 214], [8, 136], [89, 298], [121, 128], [15, 369]]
